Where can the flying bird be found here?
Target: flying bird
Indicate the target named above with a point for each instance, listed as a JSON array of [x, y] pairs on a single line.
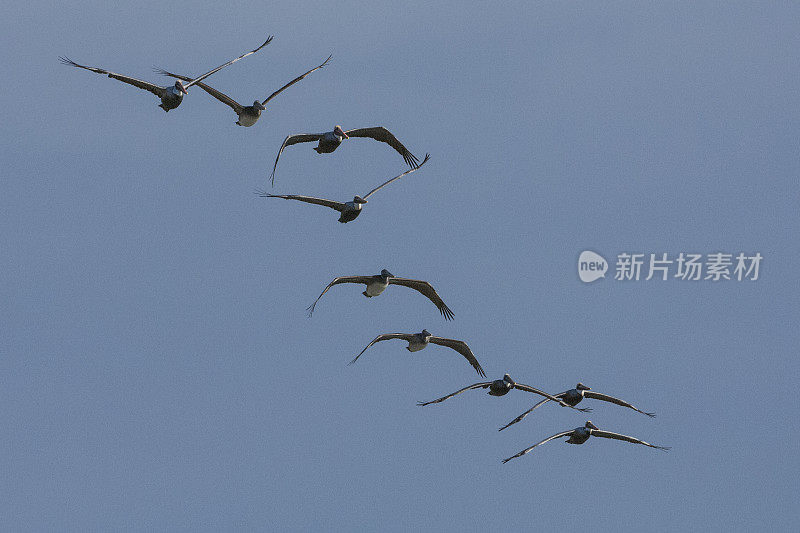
[[378, 283], [582, 434], [574, 396], [172, 96], [329, 141], [501, 387], [248, 115], [418, 341], [349, 210]]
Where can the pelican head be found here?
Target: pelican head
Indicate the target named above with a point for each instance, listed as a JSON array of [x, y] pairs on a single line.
[[508, 379], [180, 87], [358, 200], [258, 105], [581, 386], [337, 130], [589, 425], [386, 274], [426, 333]]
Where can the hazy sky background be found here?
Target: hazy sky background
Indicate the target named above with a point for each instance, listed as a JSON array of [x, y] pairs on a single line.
[[158, 369]]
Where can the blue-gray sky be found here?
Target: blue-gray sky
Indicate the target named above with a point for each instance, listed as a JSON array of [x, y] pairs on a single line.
[[158, 369]]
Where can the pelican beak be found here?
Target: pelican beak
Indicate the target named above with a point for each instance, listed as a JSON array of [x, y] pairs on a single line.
[[339, 131]]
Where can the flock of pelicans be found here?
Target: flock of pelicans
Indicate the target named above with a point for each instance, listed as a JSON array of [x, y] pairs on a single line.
[[171, 97]]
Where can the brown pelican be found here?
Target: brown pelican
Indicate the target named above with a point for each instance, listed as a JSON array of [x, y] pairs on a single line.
[[582, 434], [574, 396], [378, 283], [248, 115], [330, 141], [171, 97], [501, 387], [418, 341], [349, 210]]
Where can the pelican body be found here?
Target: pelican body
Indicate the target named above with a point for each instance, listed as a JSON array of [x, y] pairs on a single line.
[[378, 284], [582, 434], [331, 140], [172, 96], [250, 114], [501, 387], [419, 341], [574, 396], [352, 210]]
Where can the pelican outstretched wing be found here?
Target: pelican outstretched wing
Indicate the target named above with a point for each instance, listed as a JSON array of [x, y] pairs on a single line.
[[298, 78], [462, 348], [550, 397], [607, 398], [384, 337], [290, 140], [618, 436], [339, 206], [379, 133], [231, 62], [427, 290], [385, 183], [443, 398], [337, 281], [146, 85], [222, 97], [526, 413], [548, 439]]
